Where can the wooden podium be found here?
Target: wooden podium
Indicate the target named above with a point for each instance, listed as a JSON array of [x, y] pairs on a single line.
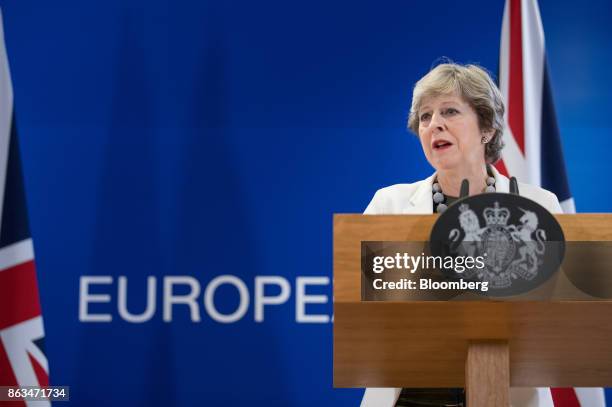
[[485, 346]]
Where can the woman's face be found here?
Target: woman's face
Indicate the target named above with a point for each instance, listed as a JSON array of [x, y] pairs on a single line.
[[449, 133]]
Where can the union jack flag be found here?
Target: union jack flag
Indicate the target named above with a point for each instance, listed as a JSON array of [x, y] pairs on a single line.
[[22, 356], [533, 152]]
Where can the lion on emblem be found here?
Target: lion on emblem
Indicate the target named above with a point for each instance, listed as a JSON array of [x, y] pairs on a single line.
[[470, 244]]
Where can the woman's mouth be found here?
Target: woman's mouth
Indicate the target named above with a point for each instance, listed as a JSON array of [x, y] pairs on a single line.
[[440, 145]]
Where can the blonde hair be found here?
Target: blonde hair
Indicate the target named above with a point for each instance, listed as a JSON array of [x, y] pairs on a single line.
[[475, 86]]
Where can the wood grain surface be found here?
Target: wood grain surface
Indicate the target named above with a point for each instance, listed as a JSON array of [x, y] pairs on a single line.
[[486, 374]]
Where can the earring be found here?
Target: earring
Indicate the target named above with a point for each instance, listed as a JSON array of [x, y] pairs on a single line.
[[484, 140]]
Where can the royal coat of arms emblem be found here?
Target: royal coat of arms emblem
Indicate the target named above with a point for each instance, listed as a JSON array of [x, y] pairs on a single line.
[[501, 243], [521, 242]]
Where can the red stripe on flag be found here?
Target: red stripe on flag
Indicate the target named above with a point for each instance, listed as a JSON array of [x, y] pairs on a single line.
[[41, 375], [18, 294], [516, 118], [564, 397], [501, 167]]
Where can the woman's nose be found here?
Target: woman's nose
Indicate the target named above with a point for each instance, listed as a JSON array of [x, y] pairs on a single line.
[[437, 122]]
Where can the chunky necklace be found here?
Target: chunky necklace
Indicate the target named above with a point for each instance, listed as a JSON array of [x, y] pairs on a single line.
[[439, 198]]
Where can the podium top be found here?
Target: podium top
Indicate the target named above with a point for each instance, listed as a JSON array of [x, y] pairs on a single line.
[[351, 230]]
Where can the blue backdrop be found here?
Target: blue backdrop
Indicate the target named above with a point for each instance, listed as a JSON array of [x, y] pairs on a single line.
[[208, 138]]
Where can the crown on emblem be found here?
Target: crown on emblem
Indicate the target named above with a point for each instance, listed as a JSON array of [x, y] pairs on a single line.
[[496, 215], [463, 208]]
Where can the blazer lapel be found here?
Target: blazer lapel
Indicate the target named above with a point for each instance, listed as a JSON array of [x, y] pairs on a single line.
[[421, 201], [502, 184]]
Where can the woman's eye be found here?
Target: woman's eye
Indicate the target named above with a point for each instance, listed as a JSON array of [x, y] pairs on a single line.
[[425, 116], [451, 111]]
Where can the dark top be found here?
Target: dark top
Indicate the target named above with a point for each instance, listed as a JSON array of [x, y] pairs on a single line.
[[442, 397]]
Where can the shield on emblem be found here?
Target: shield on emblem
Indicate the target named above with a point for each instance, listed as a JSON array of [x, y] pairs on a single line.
[[520, 244], [500, 248]]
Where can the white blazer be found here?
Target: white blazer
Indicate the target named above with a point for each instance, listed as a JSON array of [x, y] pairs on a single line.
[[416, 199]]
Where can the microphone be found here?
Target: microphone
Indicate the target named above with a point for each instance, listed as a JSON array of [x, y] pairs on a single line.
[[514, 186], [465, 189]]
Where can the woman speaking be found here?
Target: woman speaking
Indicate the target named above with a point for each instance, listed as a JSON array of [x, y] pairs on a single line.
[[457, 112]]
